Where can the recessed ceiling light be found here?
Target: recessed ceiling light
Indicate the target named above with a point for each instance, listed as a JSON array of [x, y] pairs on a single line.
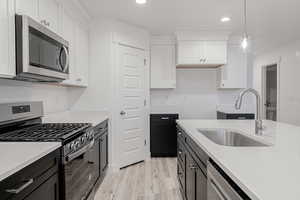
[[141, 1], [225, 19]]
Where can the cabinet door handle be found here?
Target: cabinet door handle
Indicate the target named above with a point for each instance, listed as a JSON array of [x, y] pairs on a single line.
[[21, 188], [193, 167], [43, 22], [164, 118]]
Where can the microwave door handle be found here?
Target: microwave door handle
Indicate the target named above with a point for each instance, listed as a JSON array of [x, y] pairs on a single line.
[[65, 68]]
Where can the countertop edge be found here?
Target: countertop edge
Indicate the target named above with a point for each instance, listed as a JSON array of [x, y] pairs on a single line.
[[28, 162]]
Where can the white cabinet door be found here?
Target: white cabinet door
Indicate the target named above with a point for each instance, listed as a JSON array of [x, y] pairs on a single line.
[[190, 52], [234, 74], [216, 52], [163, 67], [68, 32], [7, 50], [82, 56], [28, 7], [49, 14]]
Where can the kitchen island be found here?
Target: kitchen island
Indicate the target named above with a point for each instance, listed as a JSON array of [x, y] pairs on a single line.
[[263, 173]]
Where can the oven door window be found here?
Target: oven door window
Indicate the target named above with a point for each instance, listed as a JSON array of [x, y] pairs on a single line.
[[80, 176], [44, 52]]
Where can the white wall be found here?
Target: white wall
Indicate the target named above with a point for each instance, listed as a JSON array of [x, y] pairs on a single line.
[[97, 95], [194, 97], [55, 98], [289, 73]]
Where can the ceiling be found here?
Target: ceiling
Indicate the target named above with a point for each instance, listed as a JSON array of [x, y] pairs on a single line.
[[271, 22]]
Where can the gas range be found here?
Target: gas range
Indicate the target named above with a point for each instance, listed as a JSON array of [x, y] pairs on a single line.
[[23, 123], [73, 136], [44, 132], [80, 168]]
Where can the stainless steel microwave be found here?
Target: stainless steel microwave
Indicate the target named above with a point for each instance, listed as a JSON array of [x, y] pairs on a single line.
[[41, 55]]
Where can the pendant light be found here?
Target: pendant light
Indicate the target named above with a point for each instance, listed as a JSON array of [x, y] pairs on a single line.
[[245, 40]]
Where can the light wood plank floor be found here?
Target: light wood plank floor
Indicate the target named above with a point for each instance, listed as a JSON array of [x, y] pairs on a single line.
[[153, 179]]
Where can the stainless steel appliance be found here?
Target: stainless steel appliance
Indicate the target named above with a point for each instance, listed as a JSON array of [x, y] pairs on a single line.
[[220, 186], [80, 166], [41, 55]]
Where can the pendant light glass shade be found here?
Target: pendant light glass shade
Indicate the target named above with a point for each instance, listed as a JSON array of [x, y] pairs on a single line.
[[245, 40]]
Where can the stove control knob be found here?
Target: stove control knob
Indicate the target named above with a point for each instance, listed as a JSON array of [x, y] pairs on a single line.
[[72, 146], [77, 144], [83, 139], [90, 135], [69, 147]]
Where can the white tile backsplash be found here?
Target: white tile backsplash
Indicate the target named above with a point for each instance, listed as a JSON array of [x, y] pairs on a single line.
[[196, 96], [55, 98]]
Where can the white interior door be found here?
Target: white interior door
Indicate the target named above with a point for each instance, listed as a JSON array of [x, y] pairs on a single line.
[[132, 96]]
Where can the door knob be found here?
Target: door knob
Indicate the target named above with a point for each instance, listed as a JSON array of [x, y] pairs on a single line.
[[122, 112]]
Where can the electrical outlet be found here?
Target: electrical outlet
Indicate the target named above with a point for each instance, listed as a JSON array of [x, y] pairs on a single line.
[[298, 53]]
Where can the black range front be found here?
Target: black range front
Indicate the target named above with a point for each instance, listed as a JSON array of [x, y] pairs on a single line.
[[80, 171], [79, 167]]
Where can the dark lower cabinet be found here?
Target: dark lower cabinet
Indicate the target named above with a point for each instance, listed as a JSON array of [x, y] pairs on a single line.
[[103, 152], [101, 132], [163, 140], [235, 116], [191, 168], [47, 191], [201, 185], [190, 178], [38, 181]]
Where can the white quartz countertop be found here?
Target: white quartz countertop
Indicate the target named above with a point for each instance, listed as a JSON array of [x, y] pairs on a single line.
[[264, 173], [93, 117], [14, 156]]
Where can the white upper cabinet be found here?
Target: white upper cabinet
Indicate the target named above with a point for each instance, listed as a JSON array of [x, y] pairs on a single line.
[[78, 37], [28, 7], [201, 53], [7, 39], [47, 12], [163, 67], [215, 52], [233, 75], [68, 33], [82, 55], [190, 53]]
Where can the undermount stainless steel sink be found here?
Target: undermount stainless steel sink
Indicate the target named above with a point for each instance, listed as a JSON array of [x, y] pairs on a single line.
[[228, 137]]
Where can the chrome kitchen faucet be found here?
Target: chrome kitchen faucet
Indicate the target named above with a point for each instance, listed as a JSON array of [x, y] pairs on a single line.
[[258, 120]]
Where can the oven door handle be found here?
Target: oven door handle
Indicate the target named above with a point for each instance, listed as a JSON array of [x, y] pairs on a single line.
[[81, 151]]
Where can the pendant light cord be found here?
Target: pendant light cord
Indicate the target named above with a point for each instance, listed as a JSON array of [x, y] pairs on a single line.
[[245, 18]]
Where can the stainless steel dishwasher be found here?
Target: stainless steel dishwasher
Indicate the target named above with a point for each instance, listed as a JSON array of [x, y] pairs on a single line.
[[220, 186]]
